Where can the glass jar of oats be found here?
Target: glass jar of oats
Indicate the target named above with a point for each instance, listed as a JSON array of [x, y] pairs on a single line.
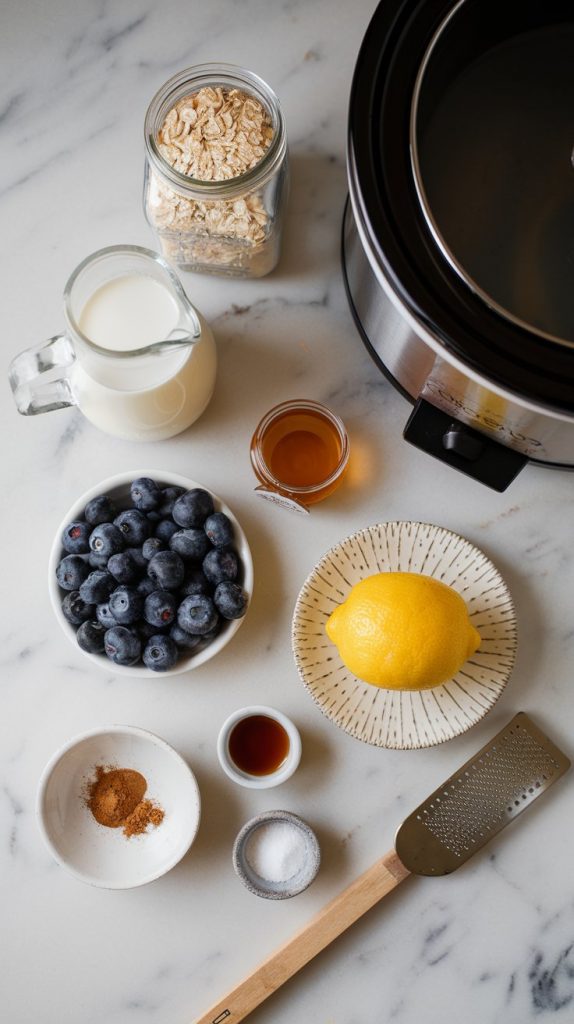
[[216, 174]]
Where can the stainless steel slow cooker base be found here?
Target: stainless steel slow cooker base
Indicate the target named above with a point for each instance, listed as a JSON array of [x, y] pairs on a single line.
[[493, 388], [428, 378]]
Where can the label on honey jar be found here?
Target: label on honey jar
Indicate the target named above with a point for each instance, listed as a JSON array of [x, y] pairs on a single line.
[[282, 500]]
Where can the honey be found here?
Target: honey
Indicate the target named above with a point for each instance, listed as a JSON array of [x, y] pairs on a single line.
[[300, 450], [258, 745]]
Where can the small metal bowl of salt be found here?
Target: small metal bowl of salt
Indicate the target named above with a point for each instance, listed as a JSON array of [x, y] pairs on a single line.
[[276, 855]]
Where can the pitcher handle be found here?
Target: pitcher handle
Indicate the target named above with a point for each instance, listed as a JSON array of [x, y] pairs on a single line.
[[39, 377]]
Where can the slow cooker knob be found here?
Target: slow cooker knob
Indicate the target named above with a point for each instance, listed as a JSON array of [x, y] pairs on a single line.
[[457, 439]]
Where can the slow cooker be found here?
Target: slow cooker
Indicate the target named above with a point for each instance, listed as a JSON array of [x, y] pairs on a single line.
[[458, 235]]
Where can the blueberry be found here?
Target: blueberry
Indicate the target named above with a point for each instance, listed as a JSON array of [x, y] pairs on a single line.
[[160, 608], [146, 586], [192, 545], [184, 640], [122, 646], [75, 609], [76, 538], [197, 614], [165, 530], [230, 600], [133, 525], [106, 539], [160, 653], [220, 565], [151, 546], [104, 615], [193, 508], [123, 567], [167, 570], [126, 605], [154, 516], [195, 582], [97, 561], [138, 558], [219, 529], [211, 635], [90, 637], [100, 510], [71, 572], [169, 496], [97, 587], [145, 630], [145, 494]]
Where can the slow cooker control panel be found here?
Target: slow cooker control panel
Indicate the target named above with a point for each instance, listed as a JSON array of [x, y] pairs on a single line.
[[465, 449]]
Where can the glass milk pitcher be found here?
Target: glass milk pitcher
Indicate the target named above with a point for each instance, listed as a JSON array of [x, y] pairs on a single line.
[[136, 358]]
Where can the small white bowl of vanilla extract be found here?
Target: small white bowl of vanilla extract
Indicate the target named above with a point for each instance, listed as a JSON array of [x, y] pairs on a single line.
[[259, 747]]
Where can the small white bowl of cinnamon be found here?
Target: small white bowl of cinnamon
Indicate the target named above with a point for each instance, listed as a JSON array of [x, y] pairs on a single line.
[[118, 807]]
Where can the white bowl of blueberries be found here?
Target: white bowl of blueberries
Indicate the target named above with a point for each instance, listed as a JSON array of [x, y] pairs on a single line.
[[150, 573]]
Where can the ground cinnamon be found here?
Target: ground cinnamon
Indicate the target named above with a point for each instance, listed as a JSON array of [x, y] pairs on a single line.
[[115, 798], [146, 813]]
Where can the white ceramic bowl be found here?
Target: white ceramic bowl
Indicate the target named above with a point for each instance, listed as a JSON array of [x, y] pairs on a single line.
[[118, 488], [285, 770], [103, 856]]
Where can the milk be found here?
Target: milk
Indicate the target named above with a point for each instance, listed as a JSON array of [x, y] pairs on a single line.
[[146, 397], [129, 312]]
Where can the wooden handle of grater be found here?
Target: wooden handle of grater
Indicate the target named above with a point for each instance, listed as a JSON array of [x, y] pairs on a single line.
[[324, 928]]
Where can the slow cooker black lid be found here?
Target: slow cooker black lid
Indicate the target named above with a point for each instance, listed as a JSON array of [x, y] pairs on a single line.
[[396, 40]]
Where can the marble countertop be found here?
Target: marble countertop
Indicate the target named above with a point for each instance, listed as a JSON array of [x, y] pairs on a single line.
[[493, 943]]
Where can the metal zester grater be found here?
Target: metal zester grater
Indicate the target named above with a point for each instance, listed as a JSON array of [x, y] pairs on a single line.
[[483, 796]]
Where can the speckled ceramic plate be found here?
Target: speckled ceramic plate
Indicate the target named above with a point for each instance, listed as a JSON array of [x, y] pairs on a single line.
[[405, 719]]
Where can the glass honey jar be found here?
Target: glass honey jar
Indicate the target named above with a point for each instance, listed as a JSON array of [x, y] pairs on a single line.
[[299, 453]]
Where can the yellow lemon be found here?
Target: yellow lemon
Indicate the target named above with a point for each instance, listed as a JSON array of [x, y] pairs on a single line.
[[403, 631]]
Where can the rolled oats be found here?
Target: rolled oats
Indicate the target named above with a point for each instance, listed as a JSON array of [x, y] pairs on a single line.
[[215, 134]]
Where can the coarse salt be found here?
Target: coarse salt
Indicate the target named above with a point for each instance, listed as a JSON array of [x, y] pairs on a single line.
[[276, 851]]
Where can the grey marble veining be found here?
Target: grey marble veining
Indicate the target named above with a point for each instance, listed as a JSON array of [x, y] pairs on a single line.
[[492, 944]]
